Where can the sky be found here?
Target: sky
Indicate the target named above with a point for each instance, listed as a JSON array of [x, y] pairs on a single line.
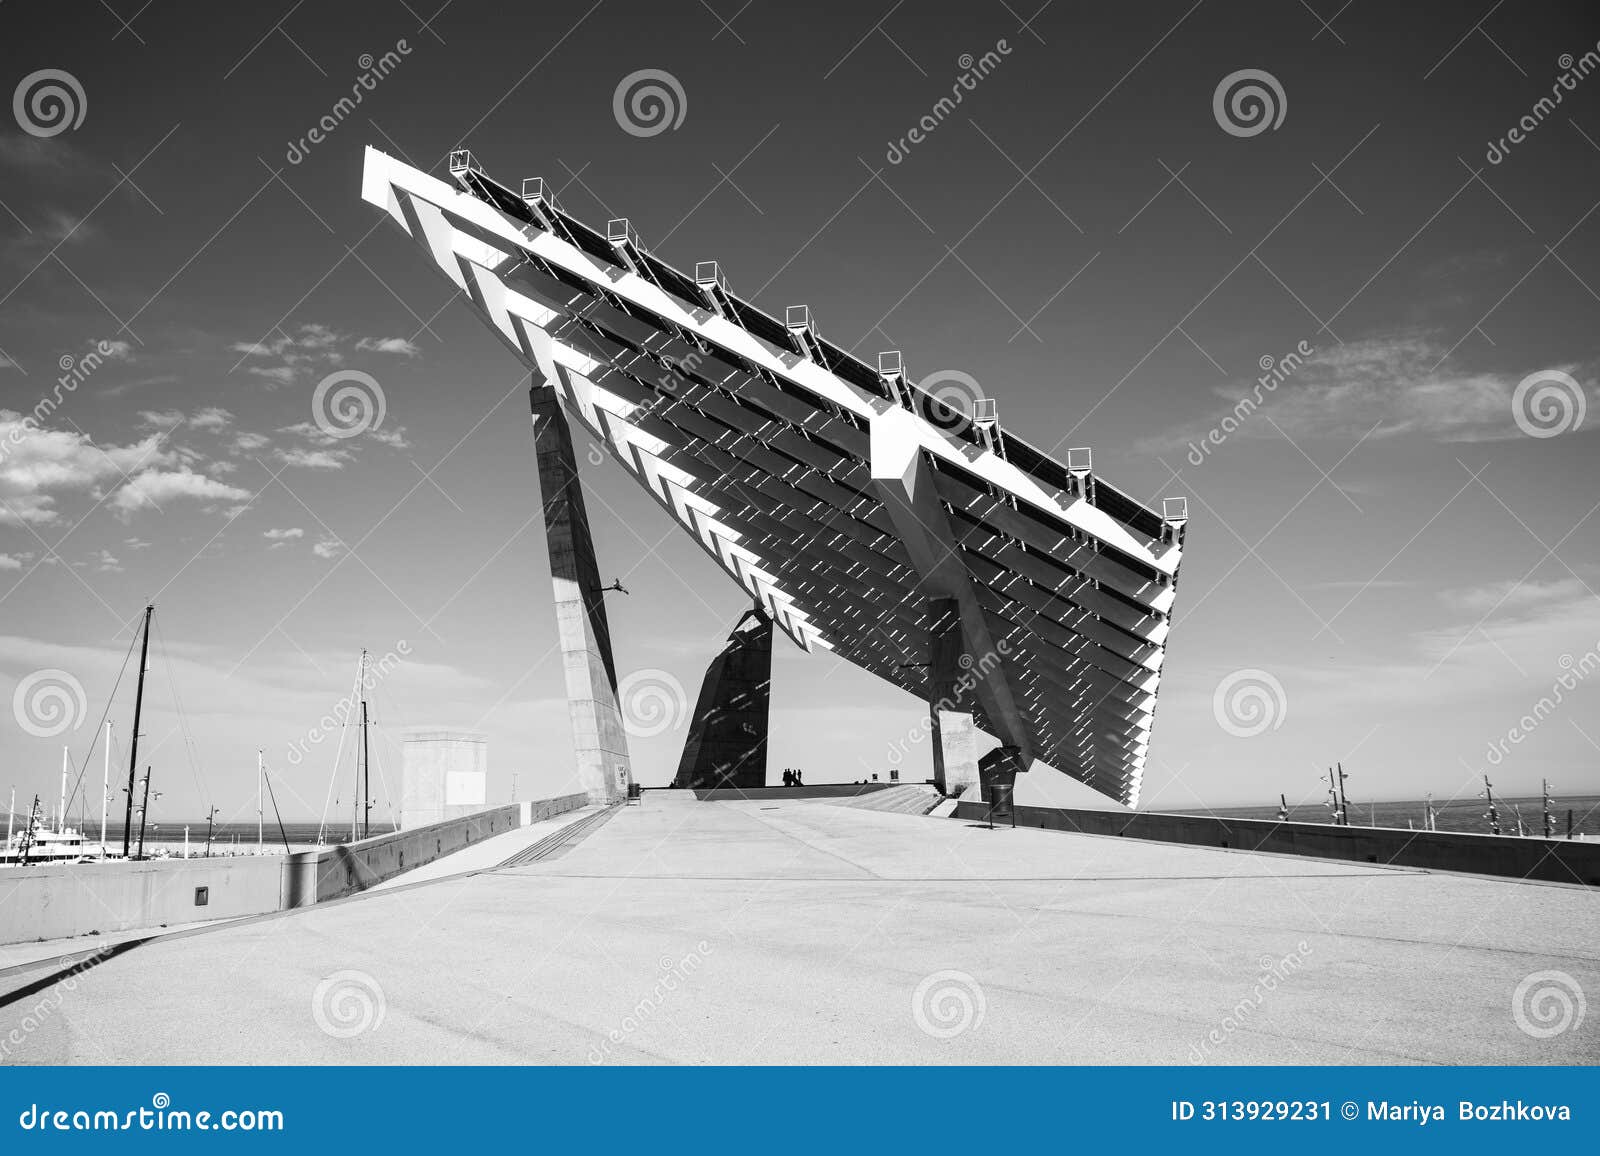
[[1394, 549]]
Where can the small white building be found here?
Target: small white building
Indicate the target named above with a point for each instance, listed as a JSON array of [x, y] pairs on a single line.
[[445, 776]]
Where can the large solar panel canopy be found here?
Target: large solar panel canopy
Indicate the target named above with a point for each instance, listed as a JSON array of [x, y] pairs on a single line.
[[840, 495]]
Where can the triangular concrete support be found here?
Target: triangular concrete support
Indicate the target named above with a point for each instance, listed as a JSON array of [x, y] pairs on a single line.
[[598, 737], [727, 744]]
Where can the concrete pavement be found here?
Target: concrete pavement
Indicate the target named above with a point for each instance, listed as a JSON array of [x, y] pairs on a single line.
[[799, 932]]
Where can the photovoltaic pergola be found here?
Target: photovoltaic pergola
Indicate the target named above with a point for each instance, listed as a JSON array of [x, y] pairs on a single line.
[[841, 496]]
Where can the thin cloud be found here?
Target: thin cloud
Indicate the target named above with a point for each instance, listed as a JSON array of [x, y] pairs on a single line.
[[396, 345], [312, 349], [155, 488], [308, 459], [1402, 385], [213, 419]]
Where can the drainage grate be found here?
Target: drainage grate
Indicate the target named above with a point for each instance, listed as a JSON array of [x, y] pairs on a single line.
[[558, 843]]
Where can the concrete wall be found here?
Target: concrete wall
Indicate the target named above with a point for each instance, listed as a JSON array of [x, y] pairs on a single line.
[[1550, 860], [317, 876], [62, 900]]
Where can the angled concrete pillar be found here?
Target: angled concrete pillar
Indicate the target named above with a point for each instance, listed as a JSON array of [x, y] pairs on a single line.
[[727, 745], [598, 736], [904, 482], [955, 739]]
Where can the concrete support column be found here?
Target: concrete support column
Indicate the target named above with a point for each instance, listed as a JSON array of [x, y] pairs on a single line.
[[598, 737], [955, 739]]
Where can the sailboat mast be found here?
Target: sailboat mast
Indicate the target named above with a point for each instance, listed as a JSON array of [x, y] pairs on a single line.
[[66, 761], [360, 792], [366, 776], [260, 842], [105, 788], [133, 752], [144, 811]]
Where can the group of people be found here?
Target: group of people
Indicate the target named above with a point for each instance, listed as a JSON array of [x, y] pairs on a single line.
[[791, 778]]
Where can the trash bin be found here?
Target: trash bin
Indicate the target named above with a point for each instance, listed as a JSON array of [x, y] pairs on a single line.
[[635, 794]]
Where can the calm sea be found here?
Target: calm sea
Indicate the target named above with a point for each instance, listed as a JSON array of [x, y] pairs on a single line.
[[1453, 815], [224, 834]]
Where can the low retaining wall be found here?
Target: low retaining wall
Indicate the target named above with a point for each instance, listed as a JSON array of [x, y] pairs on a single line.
[[317, 876], [1549, 860], [820, 791], [60, 900]]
